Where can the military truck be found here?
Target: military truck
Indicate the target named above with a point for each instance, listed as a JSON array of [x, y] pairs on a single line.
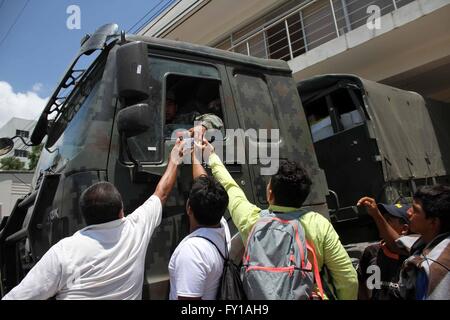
[[106, 122], [373, 139]]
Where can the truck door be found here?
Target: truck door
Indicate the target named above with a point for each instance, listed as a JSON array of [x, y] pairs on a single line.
[[259, 122], [344, 149]]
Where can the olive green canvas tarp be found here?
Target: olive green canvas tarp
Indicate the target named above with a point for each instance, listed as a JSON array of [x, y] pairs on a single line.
[[440, 118], [404, 132]]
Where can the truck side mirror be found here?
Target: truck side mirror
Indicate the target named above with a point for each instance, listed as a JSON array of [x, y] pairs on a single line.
[[133, 71], [6, 145], [134, 120]]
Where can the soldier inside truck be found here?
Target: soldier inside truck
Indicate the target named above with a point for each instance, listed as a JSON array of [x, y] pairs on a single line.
[[190, 99]]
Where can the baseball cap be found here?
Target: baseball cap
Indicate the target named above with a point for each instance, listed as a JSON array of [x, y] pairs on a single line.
[[397, 210]]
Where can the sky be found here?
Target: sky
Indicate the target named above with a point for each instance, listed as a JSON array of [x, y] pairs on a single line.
[[37, 49]]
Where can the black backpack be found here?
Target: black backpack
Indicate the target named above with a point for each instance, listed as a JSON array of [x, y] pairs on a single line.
[[230, 287]]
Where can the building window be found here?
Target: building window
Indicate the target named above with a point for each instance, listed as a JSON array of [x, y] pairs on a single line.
[[22, 133], [20, 153]]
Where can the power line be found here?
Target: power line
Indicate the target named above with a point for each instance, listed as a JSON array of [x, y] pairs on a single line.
[[14, 23], [148, 12], [155, 15]]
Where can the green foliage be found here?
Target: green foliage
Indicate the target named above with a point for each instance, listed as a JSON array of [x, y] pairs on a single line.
[[11, 163], [34, 155]]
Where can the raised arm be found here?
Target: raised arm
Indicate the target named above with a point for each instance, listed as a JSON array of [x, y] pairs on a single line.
[[243, 212], [388, 234], [197, 167], [167, 181]]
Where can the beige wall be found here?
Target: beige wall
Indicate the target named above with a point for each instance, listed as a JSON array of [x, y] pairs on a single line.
[[11, 189], [208, 20]]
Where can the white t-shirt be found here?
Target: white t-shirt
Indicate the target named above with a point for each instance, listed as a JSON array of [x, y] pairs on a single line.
[[196, 266], [102, 261]]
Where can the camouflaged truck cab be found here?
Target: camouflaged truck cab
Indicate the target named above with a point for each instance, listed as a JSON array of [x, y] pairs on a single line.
[[107, 123]]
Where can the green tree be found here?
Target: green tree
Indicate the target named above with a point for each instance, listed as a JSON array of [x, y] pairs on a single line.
[[33, 156], [11, 163]]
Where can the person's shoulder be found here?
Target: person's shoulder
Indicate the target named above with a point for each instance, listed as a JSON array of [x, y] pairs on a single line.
[[317, 226], [313, 217], [67, 244], [372, 250], [152, 203], [200, 245], [195, 249], [70, 240], [153, 200]]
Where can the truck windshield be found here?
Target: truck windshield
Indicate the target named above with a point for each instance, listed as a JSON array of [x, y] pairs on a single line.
[[70, 128]]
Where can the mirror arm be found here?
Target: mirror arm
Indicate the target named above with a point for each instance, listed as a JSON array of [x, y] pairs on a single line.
[[23, 141]]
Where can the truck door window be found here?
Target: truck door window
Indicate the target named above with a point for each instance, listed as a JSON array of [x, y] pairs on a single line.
[[188, 87], [190, 99]]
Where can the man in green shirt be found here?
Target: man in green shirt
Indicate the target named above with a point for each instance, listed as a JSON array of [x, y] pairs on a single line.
[[286, 192]]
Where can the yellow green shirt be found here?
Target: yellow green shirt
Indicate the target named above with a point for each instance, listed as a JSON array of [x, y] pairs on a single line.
[[318, 230]]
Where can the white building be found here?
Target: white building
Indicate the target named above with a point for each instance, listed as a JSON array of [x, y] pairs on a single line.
[[403, 43], [18, 127], [13, 185]]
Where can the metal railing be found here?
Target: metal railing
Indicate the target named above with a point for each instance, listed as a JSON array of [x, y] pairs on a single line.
[[312, 24]]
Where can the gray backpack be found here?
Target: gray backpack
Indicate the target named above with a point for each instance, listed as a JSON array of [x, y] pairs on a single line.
[[275, 262]]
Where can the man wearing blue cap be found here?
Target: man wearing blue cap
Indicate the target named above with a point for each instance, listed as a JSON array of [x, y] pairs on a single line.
[[388, 262], [425, 274]]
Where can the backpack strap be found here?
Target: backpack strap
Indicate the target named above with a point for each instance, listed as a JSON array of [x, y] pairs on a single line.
[[285, 216], [226, 249], [317, 278], [264, 213]]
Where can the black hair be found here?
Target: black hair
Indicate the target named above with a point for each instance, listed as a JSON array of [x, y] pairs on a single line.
[[291, 185], [100, 203], [435, 201], [208, 200]]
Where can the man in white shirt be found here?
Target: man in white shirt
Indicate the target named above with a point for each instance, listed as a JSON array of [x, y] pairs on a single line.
[[196, 265], [105, 260]]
